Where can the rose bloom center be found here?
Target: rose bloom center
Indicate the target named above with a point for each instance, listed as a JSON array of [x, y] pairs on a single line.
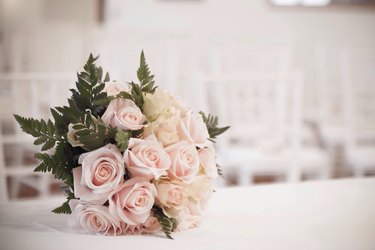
[[129, 116], [141, 201], [103, 173], [152, 156], [175, 196], [188, 157]]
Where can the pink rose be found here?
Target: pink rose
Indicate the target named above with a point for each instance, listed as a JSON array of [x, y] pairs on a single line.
[[190, 217], [132, 201], [193, 129], [131, 229], [185, 162], [150, 226], [124, 114], [114, 88], [146, 158], [172, 197], [208, 162], [101, 172], [93, 219]]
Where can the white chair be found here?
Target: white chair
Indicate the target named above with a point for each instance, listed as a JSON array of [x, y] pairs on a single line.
[[29, 95], [248, 57], [329, 104], [264, 112], [358, 80]]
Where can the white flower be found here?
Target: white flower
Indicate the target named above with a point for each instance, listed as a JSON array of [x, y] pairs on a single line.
[[72, 138], [162, 103], [172, 196], [164, 129]]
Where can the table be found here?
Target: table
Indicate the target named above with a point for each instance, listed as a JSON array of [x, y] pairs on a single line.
[[335, 214]]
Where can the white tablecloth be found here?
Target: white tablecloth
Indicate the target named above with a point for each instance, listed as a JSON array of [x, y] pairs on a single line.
[[337, 214]]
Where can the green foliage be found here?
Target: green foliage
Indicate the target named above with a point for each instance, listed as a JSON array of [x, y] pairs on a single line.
[[219, 171], [145, 78], [65, 208], [167, 224], [44, 132], [93, 133], [86, 101], [122, 139], [136, 93], [89, 95], [60, 163], [146, 85], [212, 123], [84, 109]]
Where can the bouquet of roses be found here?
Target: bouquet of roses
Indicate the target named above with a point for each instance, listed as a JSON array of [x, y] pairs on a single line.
[[135, 159]]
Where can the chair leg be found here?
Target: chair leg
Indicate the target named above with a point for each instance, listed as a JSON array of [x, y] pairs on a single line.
[[245, 177], [15, 187], [3, 189], [358, 172], [325, 173], [43, 185]]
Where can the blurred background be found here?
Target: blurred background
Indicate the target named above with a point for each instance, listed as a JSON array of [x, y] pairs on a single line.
[[295, 79]]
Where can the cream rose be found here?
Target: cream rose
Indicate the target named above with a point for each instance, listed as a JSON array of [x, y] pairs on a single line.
[[165, 130], [185, 162], [200, 190], [193, 129], [124, 114], [101, 172], [146, 158], [190, 217], [208, 162], [72, 138], [114, 88], [132, 201], [172, 197], [162, 103], [93, 219]]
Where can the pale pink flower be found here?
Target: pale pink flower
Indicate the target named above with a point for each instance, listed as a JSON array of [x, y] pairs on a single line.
[[146, 158], [91, 218], [185, 161], [132, 201], [124, 114], [208, 161], [114, 88], [150, 226], [101, 172], [193, 130]]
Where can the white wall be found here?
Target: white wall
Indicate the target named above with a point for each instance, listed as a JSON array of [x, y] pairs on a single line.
[[196, 25]]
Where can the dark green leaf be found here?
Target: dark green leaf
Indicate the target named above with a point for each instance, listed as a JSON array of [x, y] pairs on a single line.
[[212, 125], [122, 139]]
